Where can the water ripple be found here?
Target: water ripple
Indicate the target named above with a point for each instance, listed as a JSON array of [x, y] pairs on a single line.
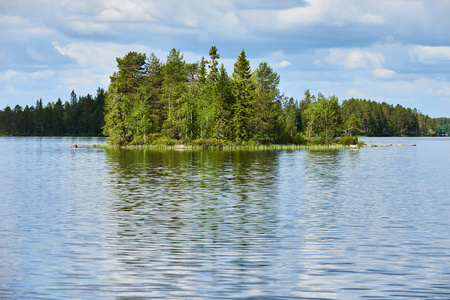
[[115, 224]]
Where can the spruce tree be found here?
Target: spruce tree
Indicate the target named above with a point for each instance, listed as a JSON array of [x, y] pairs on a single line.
[[173, 87], [223, 109], [243, 95], [202, 71], [213, 75]]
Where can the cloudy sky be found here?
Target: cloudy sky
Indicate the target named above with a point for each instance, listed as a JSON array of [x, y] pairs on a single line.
[[396, 51]]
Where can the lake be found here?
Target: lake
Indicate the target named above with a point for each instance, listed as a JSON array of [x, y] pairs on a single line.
[[91, 223]]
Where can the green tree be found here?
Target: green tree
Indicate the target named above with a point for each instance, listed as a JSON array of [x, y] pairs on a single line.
[[323, 118], [58, 118], [120, 120], [352, 125], [154, 112], [38, 118], [304, 104], [264, 112], [243, 95], [223, 105], [213, 75], [173, 87], [98, 111], [202, 71], [292, 119]]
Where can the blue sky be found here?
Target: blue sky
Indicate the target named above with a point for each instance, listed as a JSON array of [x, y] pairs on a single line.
[[396, 51]]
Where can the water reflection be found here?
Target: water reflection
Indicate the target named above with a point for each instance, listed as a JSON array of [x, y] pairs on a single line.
[[189, 218], [110, 224], [252, 224]]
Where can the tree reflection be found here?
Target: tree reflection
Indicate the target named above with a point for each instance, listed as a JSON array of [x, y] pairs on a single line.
[[193, 213]]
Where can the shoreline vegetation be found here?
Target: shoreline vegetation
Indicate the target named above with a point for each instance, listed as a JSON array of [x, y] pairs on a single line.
[[183, 147], [150, 103], [247, 147]]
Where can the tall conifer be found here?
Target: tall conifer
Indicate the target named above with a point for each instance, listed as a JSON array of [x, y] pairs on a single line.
[[243, 93]]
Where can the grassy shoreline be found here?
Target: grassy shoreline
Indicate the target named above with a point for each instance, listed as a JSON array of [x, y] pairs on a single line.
[[224, 147]]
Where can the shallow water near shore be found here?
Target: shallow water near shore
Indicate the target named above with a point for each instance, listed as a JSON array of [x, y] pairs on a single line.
[[92, 223]]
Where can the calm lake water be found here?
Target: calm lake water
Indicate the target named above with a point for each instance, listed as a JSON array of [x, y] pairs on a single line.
[[92, 223]]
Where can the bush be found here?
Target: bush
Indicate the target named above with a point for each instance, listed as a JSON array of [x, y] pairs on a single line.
[[348, 140], [320, 139], [299, 139]]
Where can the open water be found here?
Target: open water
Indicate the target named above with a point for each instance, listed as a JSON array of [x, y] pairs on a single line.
[[91, 223]]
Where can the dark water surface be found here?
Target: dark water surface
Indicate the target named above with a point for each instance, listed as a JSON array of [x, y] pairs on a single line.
[[91, 223]]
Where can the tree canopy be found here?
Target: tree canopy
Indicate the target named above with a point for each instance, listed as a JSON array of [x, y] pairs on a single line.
[[200, 101]]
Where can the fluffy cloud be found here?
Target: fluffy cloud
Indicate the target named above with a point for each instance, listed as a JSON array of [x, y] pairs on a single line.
[[283, 64], [120, 11], [98, 56], [8, 75], [429, 54], [328, 12], [383, 73], [354, 58]]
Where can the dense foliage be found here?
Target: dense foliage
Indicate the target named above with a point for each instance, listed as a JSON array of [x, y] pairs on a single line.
[[443, 126], [153, 102], [80, 116], [381, 119]]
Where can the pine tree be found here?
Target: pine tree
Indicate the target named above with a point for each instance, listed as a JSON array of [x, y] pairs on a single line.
[[121, 122]]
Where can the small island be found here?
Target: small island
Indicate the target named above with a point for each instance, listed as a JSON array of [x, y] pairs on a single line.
[[177, 103], [181, 105]]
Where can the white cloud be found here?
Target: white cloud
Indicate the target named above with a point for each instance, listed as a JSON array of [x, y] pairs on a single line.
[[191, 22], [421, 86], [111, 15], [283, 64], [126, 10], [354, 58], [429, 54], [328, 12], [443, 89], [9, 74], [12, 75], [44, 75], [87, 27], [97, 56], [11, 21], [383, 73]]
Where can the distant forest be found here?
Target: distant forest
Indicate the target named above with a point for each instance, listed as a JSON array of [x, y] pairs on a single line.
[[150, 102], [81, 116]]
